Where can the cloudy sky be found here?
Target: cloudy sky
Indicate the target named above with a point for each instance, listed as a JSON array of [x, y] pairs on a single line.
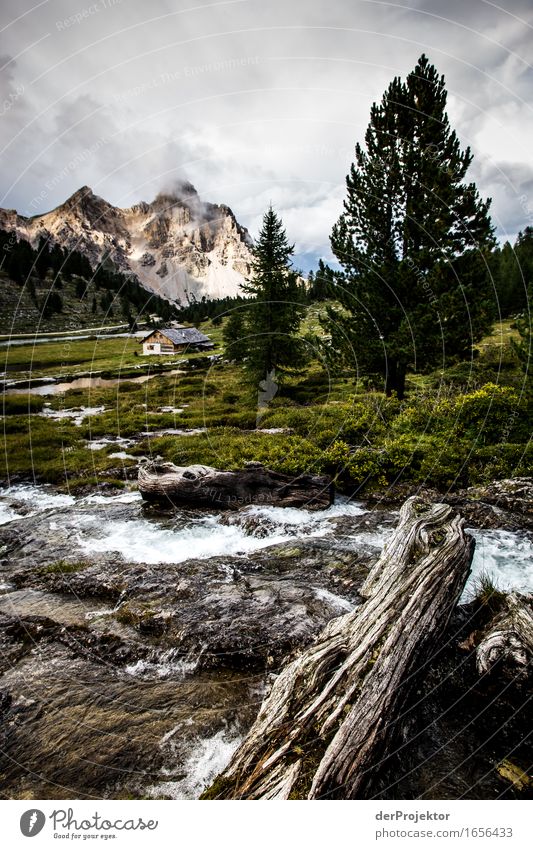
[[254, 101]]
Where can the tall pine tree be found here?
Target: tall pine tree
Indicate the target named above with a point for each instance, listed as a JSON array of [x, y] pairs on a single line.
[[412, 241], [321, 283], [275, 313]]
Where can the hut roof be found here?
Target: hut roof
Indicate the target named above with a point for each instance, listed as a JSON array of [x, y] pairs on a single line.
[[185, 336]]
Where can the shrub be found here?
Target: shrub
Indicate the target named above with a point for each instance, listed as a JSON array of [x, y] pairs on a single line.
[[444, 463], [487, 413]]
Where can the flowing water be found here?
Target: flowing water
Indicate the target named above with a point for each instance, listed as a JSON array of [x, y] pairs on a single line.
[[201, 536], [93, 334], [77, 414], [84, 383], [504, 556], [181, 721]]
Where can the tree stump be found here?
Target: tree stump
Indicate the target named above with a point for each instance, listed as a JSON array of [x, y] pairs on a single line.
[[333, 714], [508, 641], [205, 486]]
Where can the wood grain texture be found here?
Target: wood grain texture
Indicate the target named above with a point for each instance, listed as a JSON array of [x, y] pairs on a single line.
[[203, 485], [509, 639], [333, 713]]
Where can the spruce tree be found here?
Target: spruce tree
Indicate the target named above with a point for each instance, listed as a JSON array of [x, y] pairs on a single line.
[[412, 241], [53, 302], [513, 272], [321, 283], [275, 313], [42, 259], [20, 262], [235, 335]]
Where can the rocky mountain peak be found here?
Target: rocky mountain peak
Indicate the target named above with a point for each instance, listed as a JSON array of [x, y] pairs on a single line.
[[81, 193], [178, 246], [81, 198]]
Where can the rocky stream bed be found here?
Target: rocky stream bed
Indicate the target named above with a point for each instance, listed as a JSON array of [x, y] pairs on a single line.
[[137, 643]]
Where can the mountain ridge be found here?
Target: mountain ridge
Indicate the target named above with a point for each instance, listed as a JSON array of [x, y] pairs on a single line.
[[178, 246]]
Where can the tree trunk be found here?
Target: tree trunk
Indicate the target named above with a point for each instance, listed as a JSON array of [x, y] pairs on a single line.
[[395, 379], [202, 485], [333, 714]]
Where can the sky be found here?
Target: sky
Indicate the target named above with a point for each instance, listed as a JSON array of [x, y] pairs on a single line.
[[253, 101]]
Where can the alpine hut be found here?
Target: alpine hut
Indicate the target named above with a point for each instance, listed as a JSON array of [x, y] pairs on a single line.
[[168, 340]]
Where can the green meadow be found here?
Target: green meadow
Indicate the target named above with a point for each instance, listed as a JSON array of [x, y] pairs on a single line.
[[464, 425]]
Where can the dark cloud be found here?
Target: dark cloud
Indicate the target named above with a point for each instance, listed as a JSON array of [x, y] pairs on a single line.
[[510, 185], [251, 101]]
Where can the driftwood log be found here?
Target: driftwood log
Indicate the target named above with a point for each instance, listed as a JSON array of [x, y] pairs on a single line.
[[333, 714], [508, 641], [203, 485]]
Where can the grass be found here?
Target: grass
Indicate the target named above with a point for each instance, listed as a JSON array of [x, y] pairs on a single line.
[[69, 356], [500, 336], [22, 404], [488, 594], [451, 430]]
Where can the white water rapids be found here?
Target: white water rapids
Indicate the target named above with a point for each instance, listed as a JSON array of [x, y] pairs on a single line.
[[505, 556], [116, 524]]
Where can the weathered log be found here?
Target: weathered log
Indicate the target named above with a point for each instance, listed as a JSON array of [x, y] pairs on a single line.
[[509, 639], [333, 713], [203, 485]]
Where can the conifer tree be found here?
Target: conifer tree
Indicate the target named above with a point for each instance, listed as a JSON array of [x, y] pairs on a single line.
[[20, 262], [514, 273], [320, 284], [275, 312], [234, 335], [412, 241], [42, 260]]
